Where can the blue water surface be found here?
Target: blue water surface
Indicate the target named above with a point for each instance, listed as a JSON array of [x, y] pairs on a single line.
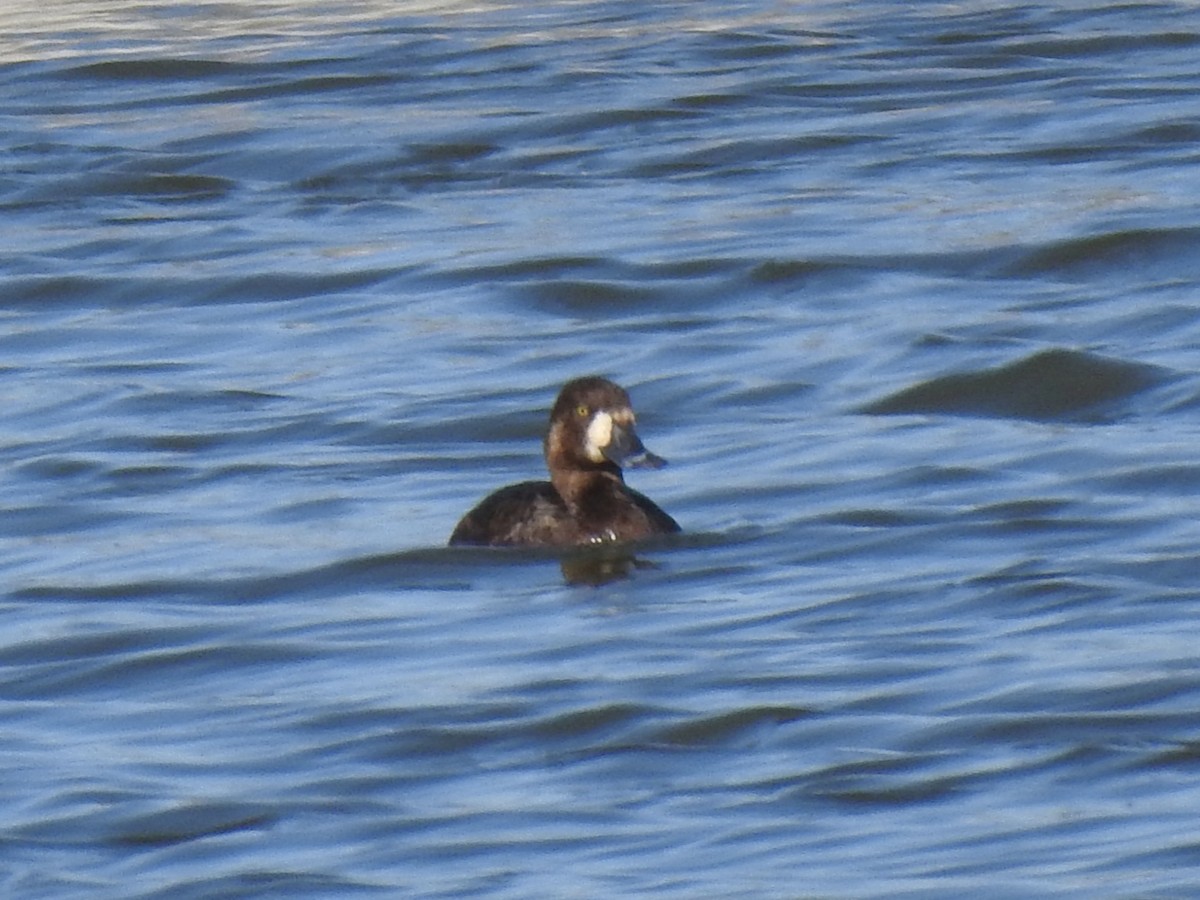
[[906, 293]]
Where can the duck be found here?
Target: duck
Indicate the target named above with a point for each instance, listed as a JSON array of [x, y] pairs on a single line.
[[590, 439]]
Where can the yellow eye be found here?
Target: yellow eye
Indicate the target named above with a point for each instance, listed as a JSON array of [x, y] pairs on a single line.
[[582, 411]]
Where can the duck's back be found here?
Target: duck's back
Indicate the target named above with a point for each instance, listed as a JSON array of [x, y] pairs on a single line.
[[527, 514], [533, 514]]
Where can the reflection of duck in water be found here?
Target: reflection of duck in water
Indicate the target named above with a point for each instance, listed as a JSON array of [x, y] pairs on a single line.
[[591, 436]]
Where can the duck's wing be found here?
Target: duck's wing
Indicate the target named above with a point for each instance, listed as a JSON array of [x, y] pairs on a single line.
[[660, 522], [527, 514]]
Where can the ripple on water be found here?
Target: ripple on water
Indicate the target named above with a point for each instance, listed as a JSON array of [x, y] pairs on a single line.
[[1052, 385]]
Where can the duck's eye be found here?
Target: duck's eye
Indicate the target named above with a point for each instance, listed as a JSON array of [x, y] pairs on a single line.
[[582, 411]]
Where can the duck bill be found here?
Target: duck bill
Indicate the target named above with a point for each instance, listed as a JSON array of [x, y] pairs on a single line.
[[626, 449]]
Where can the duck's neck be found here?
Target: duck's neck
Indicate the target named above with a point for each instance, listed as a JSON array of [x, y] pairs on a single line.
[[571, 475], [573, 483]]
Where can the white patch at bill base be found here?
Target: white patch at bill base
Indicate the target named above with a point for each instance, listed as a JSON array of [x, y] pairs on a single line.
[[599, 436]]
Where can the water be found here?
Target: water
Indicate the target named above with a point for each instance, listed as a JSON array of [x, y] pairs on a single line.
[[906, 294]]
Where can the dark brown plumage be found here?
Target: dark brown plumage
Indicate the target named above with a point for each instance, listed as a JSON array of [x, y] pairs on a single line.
[[590, 437]]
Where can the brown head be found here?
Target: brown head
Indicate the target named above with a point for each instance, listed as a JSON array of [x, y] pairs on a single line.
[[592, 430]]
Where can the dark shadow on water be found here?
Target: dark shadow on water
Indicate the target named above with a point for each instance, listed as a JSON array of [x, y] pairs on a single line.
[[599, 564]]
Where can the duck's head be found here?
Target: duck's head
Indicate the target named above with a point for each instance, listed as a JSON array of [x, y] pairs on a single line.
[[592, 425]]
